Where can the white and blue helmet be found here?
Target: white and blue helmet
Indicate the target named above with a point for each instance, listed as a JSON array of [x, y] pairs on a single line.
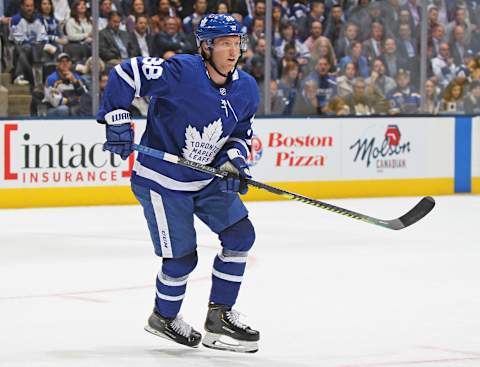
[[219, 25]]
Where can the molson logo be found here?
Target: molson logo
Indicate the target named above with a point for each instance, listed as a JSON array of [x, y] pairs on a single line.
[[28, 158], [387, 153], [288, 156]]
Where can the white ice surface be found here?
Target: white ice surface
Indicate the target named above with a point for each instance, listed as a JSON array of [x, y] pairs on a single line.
[[76, 287]]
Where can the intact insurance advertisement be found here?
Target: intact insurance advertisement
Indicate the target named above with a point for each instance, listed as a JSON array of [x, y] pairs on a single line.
[[352, 148], [59, 154]]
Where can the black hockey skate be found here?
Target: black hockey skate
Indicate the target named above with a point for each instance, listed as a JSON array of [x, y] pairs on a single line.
[[226, 332], [174, 329]]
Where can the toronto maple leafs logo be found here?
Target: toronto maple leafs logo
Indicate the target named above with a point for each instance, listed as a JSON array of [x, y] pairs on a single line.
[[203, 148]]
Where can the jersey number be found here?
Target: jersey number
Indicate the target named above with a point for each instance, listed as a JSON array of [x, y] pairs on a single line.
[[151, 67]]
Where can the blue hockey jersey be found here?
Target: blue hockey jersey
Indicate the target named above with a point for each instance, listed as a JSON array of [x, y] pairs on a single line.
[[188, 116]]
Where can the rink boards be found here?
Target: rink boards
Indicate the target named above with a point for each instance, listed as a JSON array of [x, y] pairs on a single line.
[[61, 162]]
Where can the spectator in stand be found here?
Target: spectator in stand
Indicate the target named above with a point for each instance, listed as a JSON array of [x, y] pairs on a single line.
[[407, 49], [360, 15], [258, 12], [458, 46], [462, 20], [391, 59], [475, 40], [29, 36], [299, 10], [259, 52], [376, 13], [315, 34], [345, 80], [55, 36], [372, 47], [344, 43], [337, 106], [86, 101], [61, 11], [378, 80], [323, 48], [190, 23], [306, 103], [114, 44], [335, 23], [390, 11], [79, 32], [404, 98], [360, 102], [172, 39], [106, 6], [277, 103], [443, 66], [277, 20], [355, 56], [452, 101], [327, 84], [414, 14], [141, 40], [446, 10], [222, 8], [165, 10], [86, 71], [437, 37], [137, 9], [289, 37], [63, 89], [432, 12], [472, 100], [288, 85], [432, 98], [258, 31], [289, 54], [316, 14]]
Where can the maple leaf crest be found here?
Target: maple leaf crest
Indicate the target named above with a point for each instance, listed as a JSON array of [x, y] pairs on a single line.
[[202, 148]]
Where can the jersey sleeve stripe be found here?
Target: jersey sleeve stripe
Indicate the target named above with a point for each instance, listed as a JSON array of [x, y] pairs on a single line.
[[122, 74], [136, 76], [239, 141]]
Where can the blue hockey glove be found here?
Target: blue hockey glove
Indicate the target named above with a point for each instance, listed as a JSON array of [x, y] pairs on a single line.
[[238, 171], [119, 133]]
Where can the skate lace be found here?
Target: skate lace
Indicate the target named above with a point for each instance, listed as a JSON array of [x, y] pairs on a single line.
[[181, 327], [234, 317]]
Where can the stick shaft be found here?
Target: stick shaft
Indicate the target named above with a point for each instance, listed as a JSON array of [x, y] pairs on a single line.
[[415, 214]]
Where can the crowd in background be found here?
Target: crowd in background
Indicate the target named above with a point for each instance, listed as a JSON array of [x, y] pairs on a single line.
[[330, 57]]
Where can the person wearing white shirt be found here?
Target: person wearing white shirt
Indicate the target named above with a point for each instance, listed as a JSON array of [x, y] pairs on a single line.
[[443, 66]]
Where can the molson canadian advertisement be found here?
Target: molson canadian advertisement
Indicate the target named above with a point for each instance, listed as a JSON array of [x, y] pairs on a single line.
[[61, 162]]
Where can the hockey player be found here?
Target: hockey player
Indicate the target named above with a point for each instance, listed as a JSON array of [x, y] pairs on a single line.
[[201, 108]]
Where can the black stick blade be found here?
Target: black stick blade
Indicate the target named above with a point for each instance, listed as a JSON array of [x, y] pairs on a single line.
[[420, 210]]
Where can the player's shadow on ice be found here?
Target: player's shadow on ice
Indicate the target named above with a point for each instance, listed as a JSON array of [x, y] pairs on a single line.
[[171, 356]]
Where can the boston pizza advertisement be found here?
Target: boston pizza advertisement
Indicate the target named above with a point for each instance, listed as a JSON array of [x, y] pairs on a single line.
[[296, 150]]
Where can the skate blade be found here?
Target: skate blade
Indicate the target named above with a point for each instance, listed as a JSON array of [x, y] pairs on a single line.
[[223, 342], [164, 336]]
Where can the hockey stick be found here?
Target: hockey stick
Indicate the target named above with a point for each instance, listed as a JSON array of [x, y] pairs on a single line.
[[423, 207]]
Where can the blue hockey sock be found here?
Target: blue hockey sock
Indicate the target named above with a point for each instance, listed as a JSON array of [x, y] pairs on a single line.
[[230, 263], [227, 275], [171, 284]]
